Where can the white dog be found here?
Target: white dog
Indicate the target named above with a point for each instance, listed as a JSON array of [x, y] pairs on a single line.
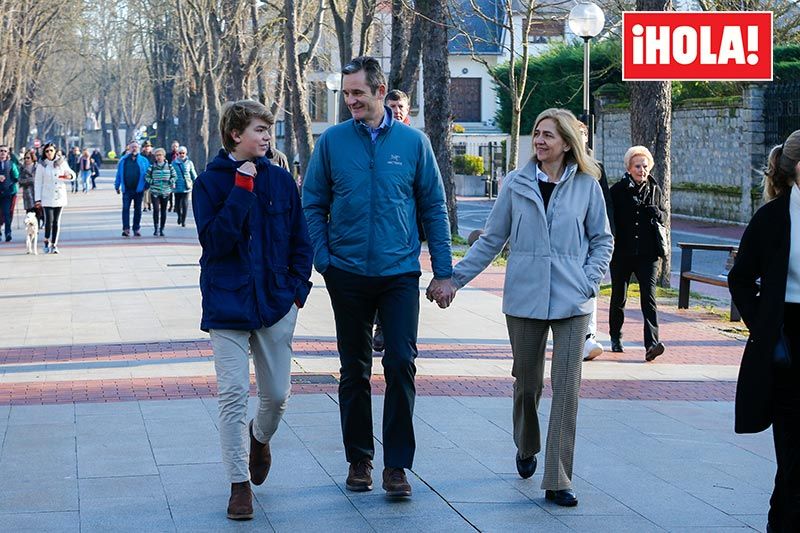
[[31, 233]]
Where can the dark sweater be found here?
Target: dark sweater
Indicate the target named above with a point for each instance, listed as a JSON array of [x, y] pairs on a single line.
[[546, 188]]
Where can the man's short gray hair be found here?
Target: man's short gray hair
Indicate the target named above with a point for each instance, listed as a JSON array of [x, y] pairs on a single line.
[[372, 70]]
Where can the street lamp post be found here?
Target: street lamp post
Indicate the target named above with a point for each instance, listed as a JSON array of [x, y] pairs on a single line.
[[334, 83], [586, 20]]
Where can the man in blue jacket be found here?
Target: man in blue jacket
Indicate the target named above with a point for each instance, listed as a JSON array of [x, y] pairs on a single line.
[[254, 275], [131, 170], [367, 179]]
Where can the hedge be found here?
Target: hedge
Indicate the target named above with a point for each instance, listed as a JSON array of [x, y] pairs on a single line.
[[555, 79]]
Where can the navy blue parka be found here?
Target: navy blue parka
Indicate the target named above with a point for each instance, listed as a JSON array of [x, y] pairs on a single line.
[[257, 255]]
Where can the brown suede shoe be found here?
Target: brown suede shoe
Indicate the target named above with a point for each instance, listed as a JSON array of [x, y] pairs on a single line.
[[395, 483], [260, 459], [359, 478], [240, 506]]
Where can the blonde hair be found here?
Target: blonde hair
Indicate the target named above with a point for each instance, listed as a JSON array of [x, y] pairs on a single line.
[[781, 171], [568, 128], [635, 151], [236, 116]]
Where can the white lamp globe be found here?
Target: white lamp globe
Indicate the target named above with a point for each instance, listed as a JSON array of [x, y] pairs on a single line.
[[334, 82], [586, 19]]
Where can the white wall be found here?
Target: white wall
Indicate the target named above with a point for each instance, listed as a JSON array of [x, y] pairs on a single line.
[[466, 67]]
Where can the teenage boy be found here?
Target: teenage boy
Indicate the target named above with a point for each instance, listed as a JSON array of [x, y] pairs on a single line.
[[254, 275]]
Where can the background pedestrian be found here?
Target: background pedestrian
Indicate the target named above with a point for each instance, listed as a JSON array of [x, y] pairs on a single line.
[[638, 206], [50, 191]]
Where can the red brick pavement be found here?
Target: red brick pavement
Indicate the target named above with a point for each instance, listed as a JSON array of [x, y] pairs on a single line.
[[691, 337], [205, 386], [703, 347]]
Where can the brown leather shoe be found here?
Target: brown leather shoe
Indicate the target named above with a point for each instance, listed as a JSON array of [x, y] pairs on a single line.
[[240, 506], [260, 459], [395, 483], [359, 478]]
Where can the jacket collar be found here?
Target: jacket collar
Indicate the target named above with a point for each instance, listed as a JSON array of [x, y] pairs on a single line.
[[525, 182]]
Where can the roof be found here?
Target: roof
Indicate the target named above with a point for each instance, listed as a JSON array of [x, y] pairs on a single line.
[[486, 36]]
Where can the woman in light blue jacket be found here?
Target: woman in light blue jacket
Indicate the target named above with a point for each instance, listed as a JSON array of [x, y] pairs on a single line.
[[553, 215], [185, 176]]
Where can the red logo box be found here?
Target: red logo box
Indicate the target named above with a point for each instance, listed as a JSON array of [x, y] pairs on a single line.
[[711, 46]]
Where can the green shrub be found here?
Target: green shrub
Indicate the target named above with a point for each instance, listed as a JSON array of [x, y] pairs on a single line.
[[555, 79], [471, 165]]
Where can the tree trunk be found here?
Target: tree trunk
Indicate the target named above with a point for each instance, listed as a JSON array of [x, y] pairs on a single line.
[[213, 141], [301, 121], [436, 85], [651, 126], [513, 144], [24, 127]]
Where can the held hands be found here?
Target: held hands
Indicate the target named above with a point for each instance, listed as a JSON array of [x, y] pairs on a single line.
[[443, 291]]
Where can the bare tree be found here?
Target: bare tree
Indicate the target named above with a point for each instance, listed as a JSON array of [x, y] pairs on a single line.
[[651, 126], [345, 13], [436, 87], [785, 13], [297, 63], [508, 30], [406, 47]]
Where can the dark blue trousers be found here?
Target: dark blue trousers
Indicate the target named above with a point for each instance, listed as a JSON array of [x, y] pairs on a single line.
[[6, 203], [355, 299], [136, 198]]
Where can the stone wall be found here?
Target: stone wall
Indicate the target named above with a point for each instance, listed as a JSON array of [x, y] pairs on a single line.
[[717, 153]]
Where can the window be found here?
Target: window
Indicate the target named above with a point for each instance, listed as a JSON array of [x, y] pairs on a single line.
[[465, 99], [545, 30], [318, 101]]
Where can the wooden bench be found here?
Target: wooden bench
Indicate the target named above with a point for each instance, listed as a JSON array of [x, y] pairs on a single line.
[[688, 275]]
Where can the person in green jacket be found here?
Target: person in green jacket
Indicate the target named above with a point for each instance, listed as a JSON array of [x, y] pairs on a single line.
[[367, 179], [160, 178], [9, 176]]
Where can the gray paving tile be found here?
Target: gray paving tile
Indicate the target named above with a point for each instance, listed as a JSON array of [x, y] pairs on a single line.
[[38, 494], [124, 504], [323, 508], [183, 411], [617, 524], [107, 408], [758, 522], [38, 522], [41, 414], [190, 441], [491, 517], [198, 496], [113, 446], [592, 500]]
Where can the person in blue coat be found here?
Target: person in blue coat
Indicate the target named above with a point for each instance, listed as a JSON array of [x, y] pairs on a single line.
[[254, 275], [131, 171], [367, 180]]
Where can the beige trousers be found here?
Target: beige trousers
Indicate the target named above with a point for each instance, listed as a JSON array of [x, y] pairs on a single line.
[[528, 343], [272, 357]]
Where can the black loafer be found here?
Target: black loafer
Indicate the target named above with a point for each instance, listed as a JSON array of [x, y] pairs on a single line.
[[654, 351], [616, 345], [526, 467], [564, 498]]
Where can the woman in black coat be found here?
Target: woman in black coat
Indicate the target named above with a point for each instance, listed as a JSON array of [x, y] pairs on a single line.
[[766, 393], [638, 204]]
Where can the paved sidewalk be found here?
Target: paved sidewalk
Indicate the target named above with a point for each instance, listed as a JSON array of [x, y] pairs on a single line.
[[108, 416]]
